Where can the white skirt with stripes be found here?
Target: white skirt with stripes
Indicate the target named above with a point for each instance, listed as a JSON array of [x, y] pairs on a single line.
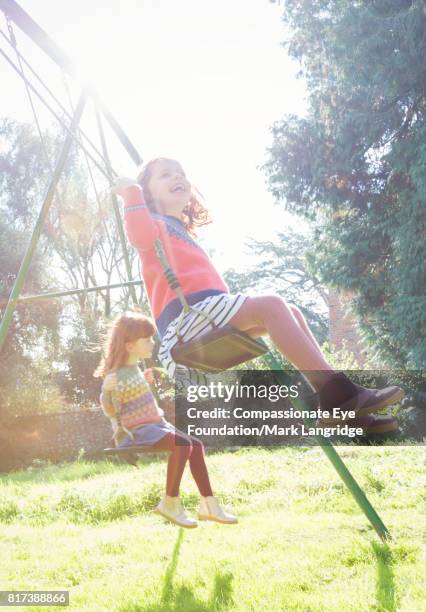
[[221, 308]]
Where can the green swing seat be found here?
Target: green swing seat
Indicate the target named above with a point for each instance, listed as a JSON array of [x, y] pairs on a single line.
[[129, 450], [129, 454], [218, 350]]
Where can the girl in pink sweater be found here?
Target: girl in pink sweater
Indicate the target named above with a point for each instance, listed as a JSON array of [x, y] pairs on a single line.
[[162, 204]]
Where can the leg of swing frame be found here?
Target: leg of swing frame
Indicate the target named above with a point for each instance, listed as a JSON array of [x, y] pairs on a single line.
[[335, 459], [26, 262]]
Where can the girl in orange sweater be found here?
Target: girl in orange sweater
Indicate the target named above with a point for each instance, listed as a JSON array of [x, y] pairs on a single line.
[[162, 204]]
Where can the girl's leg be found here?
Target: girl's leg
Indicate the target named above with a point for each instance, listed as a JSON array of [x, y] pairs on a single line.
[[290, 333], [198, 468], [210, 508], [180, 453], [287, 332], [262, 331], [303, 324], [184, 448]]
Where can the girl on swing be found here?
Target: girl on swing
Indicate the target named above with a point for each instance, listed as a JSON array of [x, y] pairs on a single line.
[[161, 204], [127, 399]]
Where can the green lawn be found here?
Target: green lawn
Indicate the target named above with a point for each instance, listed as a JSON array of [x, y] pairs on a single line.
[[301, 544]]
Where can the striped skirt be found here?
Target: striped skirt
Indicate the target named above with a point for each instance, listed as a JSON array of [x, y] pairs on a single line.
[[221, 308]]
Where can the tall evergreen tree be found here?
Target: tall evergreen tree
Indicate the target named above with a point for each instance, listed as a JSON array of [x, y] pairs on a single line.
[[356, 164]]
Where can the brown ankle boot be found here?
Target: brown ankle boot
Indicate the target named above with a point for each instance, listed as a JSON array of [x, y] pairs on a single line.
[[395, 394], [340, 392]]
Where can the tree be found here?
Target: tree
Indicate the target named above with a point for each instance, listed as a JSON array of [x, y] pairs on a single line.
[[74, 251], [355, 165], [33, 338], [282, 269], [85, 248]]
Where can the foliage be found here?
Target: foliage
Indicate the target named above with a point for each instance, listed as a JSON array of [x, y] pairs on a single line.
[[33, 332], [32, 391], [83, 240], [78, 360], [282, 270], [355, 165], [75, 250], [163, 385]]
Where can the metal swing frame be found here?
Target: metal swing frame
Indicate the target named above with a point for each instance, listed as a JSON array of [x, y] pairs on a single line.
[[17, 15]]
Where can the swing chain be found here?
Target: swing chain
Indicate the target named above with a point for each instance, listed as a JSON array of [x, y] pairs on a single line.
[[11, 31], [174, 284]]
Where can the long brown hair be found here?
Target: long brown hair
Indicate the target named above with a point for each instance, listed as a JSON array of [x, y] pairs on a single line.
[[194, 215], [127, 327]]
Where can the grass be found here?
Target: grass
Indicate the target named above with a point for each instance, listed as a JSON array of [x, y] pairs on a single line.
[[301, 544]]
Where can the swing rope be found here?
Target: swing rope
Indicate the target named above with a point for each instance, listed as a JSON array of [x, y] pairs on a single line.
[[93, 183], [69, 132], [46, 88]]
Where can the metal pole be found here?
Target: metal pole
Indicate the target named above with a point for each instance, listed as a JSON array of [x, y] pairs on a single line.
[[56, 294], [61, 122], [26, 262], [118, 221], [335, 459]]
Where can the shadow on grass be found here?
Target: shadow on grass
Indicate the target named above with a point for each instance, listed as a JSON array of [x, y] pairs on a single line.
[[385, 586], [183, 598], [167, 593]]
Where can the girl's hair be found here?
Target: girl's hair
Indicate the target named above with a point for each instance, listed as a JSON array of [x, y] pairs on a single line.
[[194, 215], [126, 327]]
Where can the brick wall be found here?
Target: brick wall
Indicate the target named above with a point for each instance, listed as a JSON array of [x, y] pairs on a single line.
[[52, 436], [58, 437], [343, 326]]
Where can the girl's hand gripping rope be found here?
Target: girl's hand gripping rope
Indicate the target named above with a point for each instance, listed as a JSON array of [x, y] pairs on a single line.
[[140, 227], [149, 376], [121, 184]]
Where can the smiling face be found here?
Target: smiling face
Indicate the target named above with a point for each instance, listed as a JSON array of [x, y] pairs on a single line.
[[169, 188], [139, 349]]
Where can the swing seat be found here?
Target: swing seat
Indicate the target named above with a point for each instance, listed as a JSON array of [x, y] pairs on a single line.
[[128, 454], [218, 350], [127, 450]]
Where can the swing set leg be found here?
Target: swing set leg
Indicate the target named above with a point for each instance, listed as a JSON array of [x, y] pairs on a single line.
[[26, 262], [336, 461], [359, 495]]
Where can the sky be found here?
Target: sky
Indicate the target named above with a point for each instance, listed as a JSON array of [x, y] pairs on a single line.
[[195, 80]]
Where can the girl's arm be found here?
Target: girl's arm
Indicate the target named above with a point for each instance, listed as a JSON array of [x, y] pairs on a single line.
[[140, 227], [107, 403], [111, 407]]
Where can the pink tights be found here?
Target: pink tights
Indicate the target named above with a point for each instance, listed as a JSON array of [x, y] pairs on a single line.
[[183, 448]]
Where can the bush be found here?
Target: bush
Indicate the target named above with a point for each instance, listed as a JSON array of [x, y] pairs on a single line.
[[32, 393]]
